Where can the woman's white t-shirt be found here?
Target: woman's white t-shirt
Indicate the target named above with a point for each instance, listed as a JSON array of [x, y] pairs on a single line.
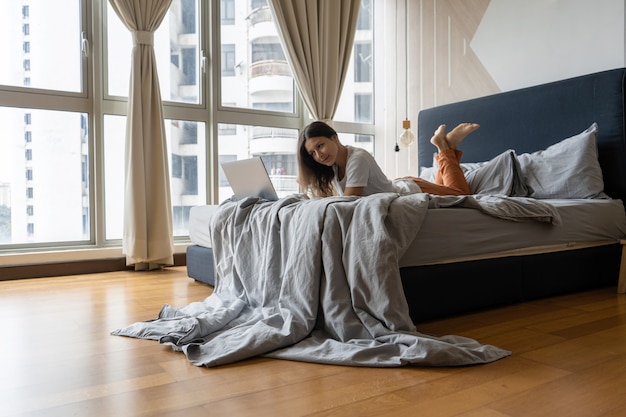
[[363, 171]]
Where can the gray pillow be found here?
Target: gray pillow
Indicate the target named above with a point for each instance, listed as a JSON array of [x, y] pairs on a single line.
[[567, 169], [501, 175]]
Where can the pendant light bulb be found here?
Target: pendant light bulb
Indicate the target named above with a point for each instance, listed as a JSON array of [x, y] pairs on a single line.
[[406, 138]]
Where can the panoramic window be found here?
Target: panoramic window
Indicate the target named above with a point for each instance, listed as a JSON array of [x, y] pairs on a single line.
[[64, 121]]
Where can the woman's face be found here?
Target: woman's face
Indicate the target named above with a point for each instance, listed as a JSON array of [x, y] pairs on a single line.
[[323, 150]]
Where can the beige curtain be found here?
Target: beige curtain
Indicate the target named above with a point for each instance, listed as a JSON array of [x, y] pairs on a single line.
[[147, 241], [317, 36]]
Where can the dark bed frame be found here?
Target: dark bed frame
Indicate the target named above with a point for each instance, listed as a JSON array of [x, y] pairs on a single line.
[[525, 120]]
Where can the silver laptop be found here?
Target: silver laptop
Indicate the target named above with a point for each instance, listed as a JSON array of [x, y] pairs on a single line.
[[249, 178]]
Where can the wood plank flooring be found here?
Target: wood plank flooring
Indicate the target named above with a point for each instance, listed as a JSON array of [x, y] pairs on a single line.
[[58, 359]]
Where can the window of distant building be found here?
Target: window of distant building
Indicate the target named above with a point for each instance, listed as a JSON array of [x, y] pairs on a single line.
[[227, 12], [228, 60]]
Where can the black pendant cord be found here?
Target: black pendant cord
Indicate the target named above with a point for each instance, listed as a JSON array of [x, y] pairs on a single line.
[[397, 147]]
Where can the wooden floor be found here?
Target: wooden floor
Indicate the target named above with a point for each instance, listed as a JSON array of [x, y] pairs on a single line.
[[58, 359]]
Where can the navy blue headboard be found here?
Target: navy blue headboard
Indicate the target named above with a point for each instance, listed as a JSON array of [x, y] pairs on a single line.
[[533, 118]]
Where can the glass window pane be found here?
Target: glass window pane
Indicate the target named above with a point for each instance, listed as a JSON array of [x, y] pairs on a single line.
[[40, 44], [361, 141], [186, 146], [44, 176], [114, 139], [177, 50], [254, 71], [356, 103], [275, 146]]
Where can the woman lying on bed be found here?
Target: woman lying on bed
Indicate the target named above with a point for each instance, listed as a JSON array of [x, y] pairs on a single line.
[[327, 167]]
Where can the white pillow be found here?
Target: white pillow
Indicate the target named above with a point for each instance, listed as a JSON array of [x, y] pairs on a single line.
[[428, 173], [567, 169]]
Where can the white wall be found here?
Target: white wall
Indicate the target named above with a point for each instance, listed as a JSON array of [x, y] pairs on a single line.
[[513, 44], [530, 42]]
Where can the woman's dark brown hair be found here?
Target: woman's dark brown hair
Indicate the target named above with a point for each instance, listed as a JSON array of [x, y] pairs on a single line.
[[312, 175]]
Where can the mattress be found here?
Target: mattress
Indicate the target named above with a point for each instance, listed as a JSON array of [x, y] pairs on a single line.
[[199, 225], [455, 234]]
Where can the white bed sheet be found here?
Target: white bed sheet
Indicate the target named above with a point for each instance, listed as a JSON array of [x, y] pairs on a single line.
[[457, 233], [453, 233], [199, 224]]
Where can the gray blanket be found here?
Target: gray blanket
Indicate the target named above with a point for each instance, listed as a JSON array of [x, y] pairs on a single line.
[[318, 281]]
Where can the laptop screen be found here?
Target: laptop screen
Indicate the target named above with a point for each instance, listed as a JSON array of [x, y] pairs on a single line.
[[249, 178]]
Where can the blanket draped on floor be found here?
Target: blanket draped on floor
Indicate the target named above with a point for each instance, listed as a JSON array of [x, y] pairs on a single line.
[[317, 280]]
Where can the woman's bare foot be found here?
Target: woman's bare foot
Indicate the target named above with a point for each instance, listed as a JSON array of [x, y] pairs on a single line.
[[439, 139], [456, 135]]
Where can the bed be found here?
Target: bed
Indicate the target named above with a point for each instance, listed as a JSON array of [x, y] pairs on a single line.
[[344, 280], [461, 262]]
